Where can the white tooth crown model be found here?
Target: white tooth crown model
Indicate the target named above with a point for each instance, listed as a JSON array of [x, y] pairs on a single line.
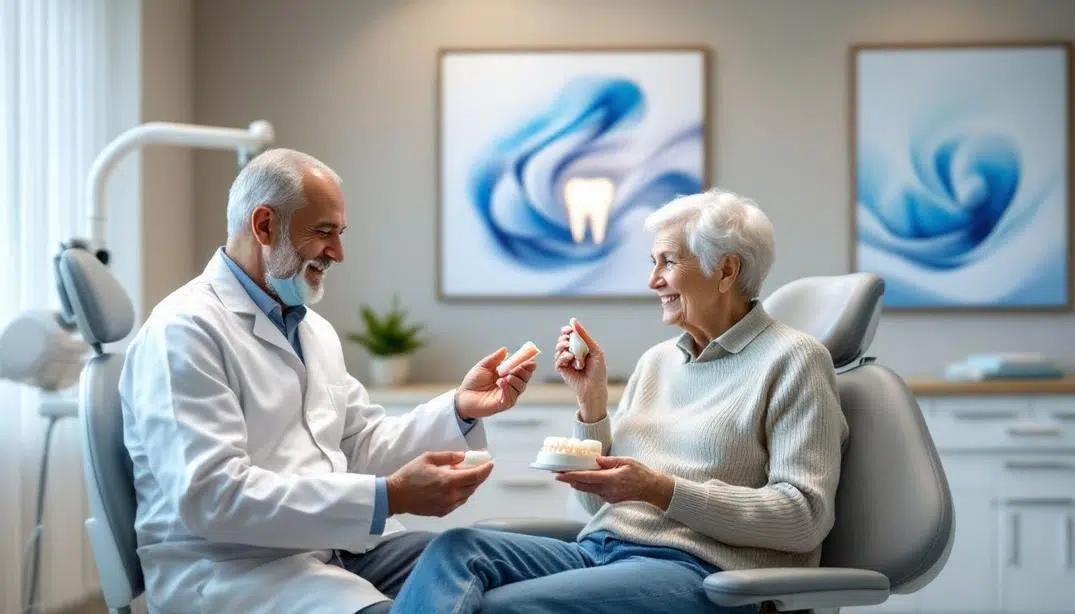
[[569, 453], [473, 458]]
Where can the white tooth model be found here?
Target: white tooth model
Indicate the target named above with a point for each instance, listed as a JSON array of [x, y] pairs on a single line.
[[473, 458], [568, 454], [578, 349]]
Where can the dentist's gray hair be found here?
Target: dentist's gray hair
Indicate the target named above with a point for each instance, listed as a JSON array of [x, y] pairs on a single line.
[[715, 223], [274, 179]]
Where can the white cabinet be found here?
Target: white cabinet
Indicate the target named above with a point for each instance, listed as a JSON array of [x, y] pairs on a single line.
[[1010, 463], [1038, 571]]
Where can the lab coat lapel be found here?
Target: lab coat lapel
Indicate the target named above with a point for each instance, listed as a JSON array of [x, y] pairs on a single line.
[[236, 299], [312, 354], [324, 404]]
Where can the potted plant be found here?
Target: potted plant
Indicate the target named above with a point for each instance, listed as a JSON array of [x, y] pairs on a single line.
[[389, 339]]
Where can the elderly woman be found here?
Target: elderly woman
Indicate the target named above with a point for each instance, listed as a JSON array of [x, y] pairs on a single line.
[[724, 452]]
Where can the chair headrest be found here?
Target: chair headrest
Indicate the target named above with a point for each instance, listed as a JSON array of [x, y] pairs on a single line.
[[842, 311], [101, 308]]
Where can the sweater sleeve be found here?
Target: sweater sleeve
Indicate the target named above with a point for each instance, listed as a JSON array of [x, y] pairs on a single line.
[[602, 431], [805, 431]]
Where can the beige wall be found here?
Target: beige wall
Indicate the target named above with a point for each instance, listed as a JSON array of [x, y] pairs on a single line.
[[353, 83], [167, 172]]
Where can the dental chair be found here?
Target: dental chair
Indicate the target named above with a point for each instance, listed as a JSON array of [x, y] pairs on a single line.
[[894, 519], [104, 314]]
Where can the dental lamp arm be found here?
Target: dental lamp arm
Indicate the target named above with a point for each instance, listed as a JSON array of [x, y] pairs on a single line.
[[246, 142]]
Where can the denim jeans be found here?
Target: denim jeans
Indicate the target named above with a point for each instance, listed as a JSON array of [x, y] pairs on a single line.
[[477, 570]]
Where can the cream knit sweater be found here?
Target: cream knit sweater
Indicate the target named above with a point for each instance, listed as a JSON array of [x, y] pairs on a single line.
[[752, 431]]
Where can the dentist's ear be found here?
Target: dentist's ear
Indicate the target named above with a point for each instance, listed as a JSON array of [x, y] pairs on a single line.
[[262, 225]]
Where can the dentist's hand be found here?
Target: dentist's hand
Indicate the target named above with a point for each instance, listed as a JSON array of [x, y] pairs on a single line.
[[484, 392], [430, 486], [590, 384]]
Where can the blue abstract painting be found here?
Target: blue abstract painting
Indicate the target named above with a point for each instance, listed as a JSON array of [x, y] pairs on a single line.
[[961, 188], [550, 160]]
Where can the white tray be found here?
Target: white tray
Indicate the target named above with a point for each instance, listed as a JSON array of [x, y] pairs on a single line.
[[561, 468]]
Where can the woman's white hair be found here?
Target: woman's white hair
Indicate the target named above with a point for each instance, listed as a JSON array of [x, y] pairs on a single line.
[[274, 179], [716, 223]]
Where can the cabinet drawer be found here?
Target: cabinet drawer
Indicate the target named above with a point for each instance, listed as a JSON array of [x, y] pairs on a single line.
[[996, 424], [1037, 477]]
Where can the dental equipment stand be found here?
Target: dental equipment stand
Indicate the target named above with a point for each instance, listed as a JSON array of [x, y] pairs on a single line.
[[32, 370]]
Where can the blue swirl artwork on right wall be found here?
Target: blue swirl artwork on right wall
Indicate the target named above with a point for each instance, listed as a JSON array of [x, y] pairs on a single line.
[[961, 184], [519, 129]]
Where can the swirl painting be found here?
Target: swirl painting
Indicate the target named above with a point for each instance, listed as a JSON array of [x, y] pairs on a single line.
[[549, 160], [961, 182]]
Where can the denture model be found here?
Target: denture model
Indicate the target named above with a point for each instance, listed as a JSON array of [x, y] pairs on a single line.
[[569, 453]]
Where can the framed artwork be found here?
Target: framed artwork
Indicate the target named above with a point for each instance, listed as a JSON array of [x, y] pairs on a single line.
[[961, 174], [548, 160]]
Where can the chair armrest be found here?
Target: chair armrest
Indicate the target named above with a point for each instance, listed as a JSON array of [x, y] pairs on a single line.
[[798, 588], [564, 530]]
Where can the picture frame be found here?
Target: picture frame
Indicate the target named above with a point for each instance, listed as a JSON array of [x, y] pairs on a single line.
[[961, 187], [548, 159]]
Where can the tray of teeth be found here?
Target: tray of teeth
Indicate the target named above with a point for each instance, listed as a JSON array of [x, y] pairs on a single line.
[[567, 454]]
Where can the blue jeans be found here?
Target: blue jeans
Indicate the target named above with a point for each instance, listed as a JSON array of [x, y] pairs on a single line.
[[478, 570]]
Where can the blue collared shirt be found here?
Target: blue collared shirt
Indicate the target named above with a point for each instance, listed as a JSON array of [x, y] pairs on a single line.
[[288, 324]]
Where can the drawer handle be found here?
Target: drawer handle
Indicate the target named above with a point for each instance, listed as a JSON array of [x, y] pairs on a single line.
[[1039, 466], [518, 423], [1014, 556], [979, 416], [1039, 502], [523, 484], [1035, 430], [1064, 416], [1069, 543]]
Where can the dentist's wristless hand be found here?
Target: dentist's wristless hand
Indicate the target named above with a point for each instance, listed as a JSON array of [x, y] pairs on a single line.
[[485, 392], [430, 486], [590, 384]]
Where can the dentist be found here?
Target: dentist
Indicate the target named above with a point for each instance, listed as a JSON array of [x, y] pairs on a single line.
[[266, 481]]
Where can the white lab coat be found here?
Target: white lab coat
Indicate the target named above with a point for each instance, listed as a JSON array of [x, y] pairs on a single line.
[[250, 467]]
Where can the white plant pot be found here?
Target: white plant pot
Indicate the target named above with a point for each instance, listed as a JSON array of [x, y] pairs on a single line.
[[389, 370]]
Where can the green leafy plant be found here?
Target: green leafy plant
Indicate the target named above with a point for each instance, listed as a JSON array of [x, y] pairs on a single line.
[[390, 334]]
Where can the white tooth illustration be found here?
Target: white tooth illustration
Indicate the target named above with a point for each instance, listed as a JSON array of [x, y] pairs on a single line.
[[589, 201]]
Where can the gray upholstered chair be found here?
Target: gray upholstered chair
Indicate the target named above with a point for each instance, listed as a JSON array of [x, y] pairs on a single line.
[[104, 314], [894, 519]]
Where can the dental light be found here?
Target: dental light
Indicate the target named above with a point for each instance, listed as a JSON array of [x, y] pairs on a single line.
[[41, 348], [588, 200]]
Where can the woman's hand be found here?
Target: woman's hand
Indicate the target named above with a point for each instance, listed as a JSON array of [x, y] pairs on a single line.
[[590, 384], [623, 479]]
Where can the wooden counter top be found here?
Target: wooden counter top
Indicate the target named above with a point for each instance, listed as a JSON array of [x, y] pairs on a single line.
[[540, 393], [1016, 387]]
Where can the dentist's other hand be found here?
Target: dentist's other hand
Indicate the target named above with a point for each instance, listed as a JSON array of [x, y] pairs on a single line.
[[484, 393], [590, 384], [430, 486]]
